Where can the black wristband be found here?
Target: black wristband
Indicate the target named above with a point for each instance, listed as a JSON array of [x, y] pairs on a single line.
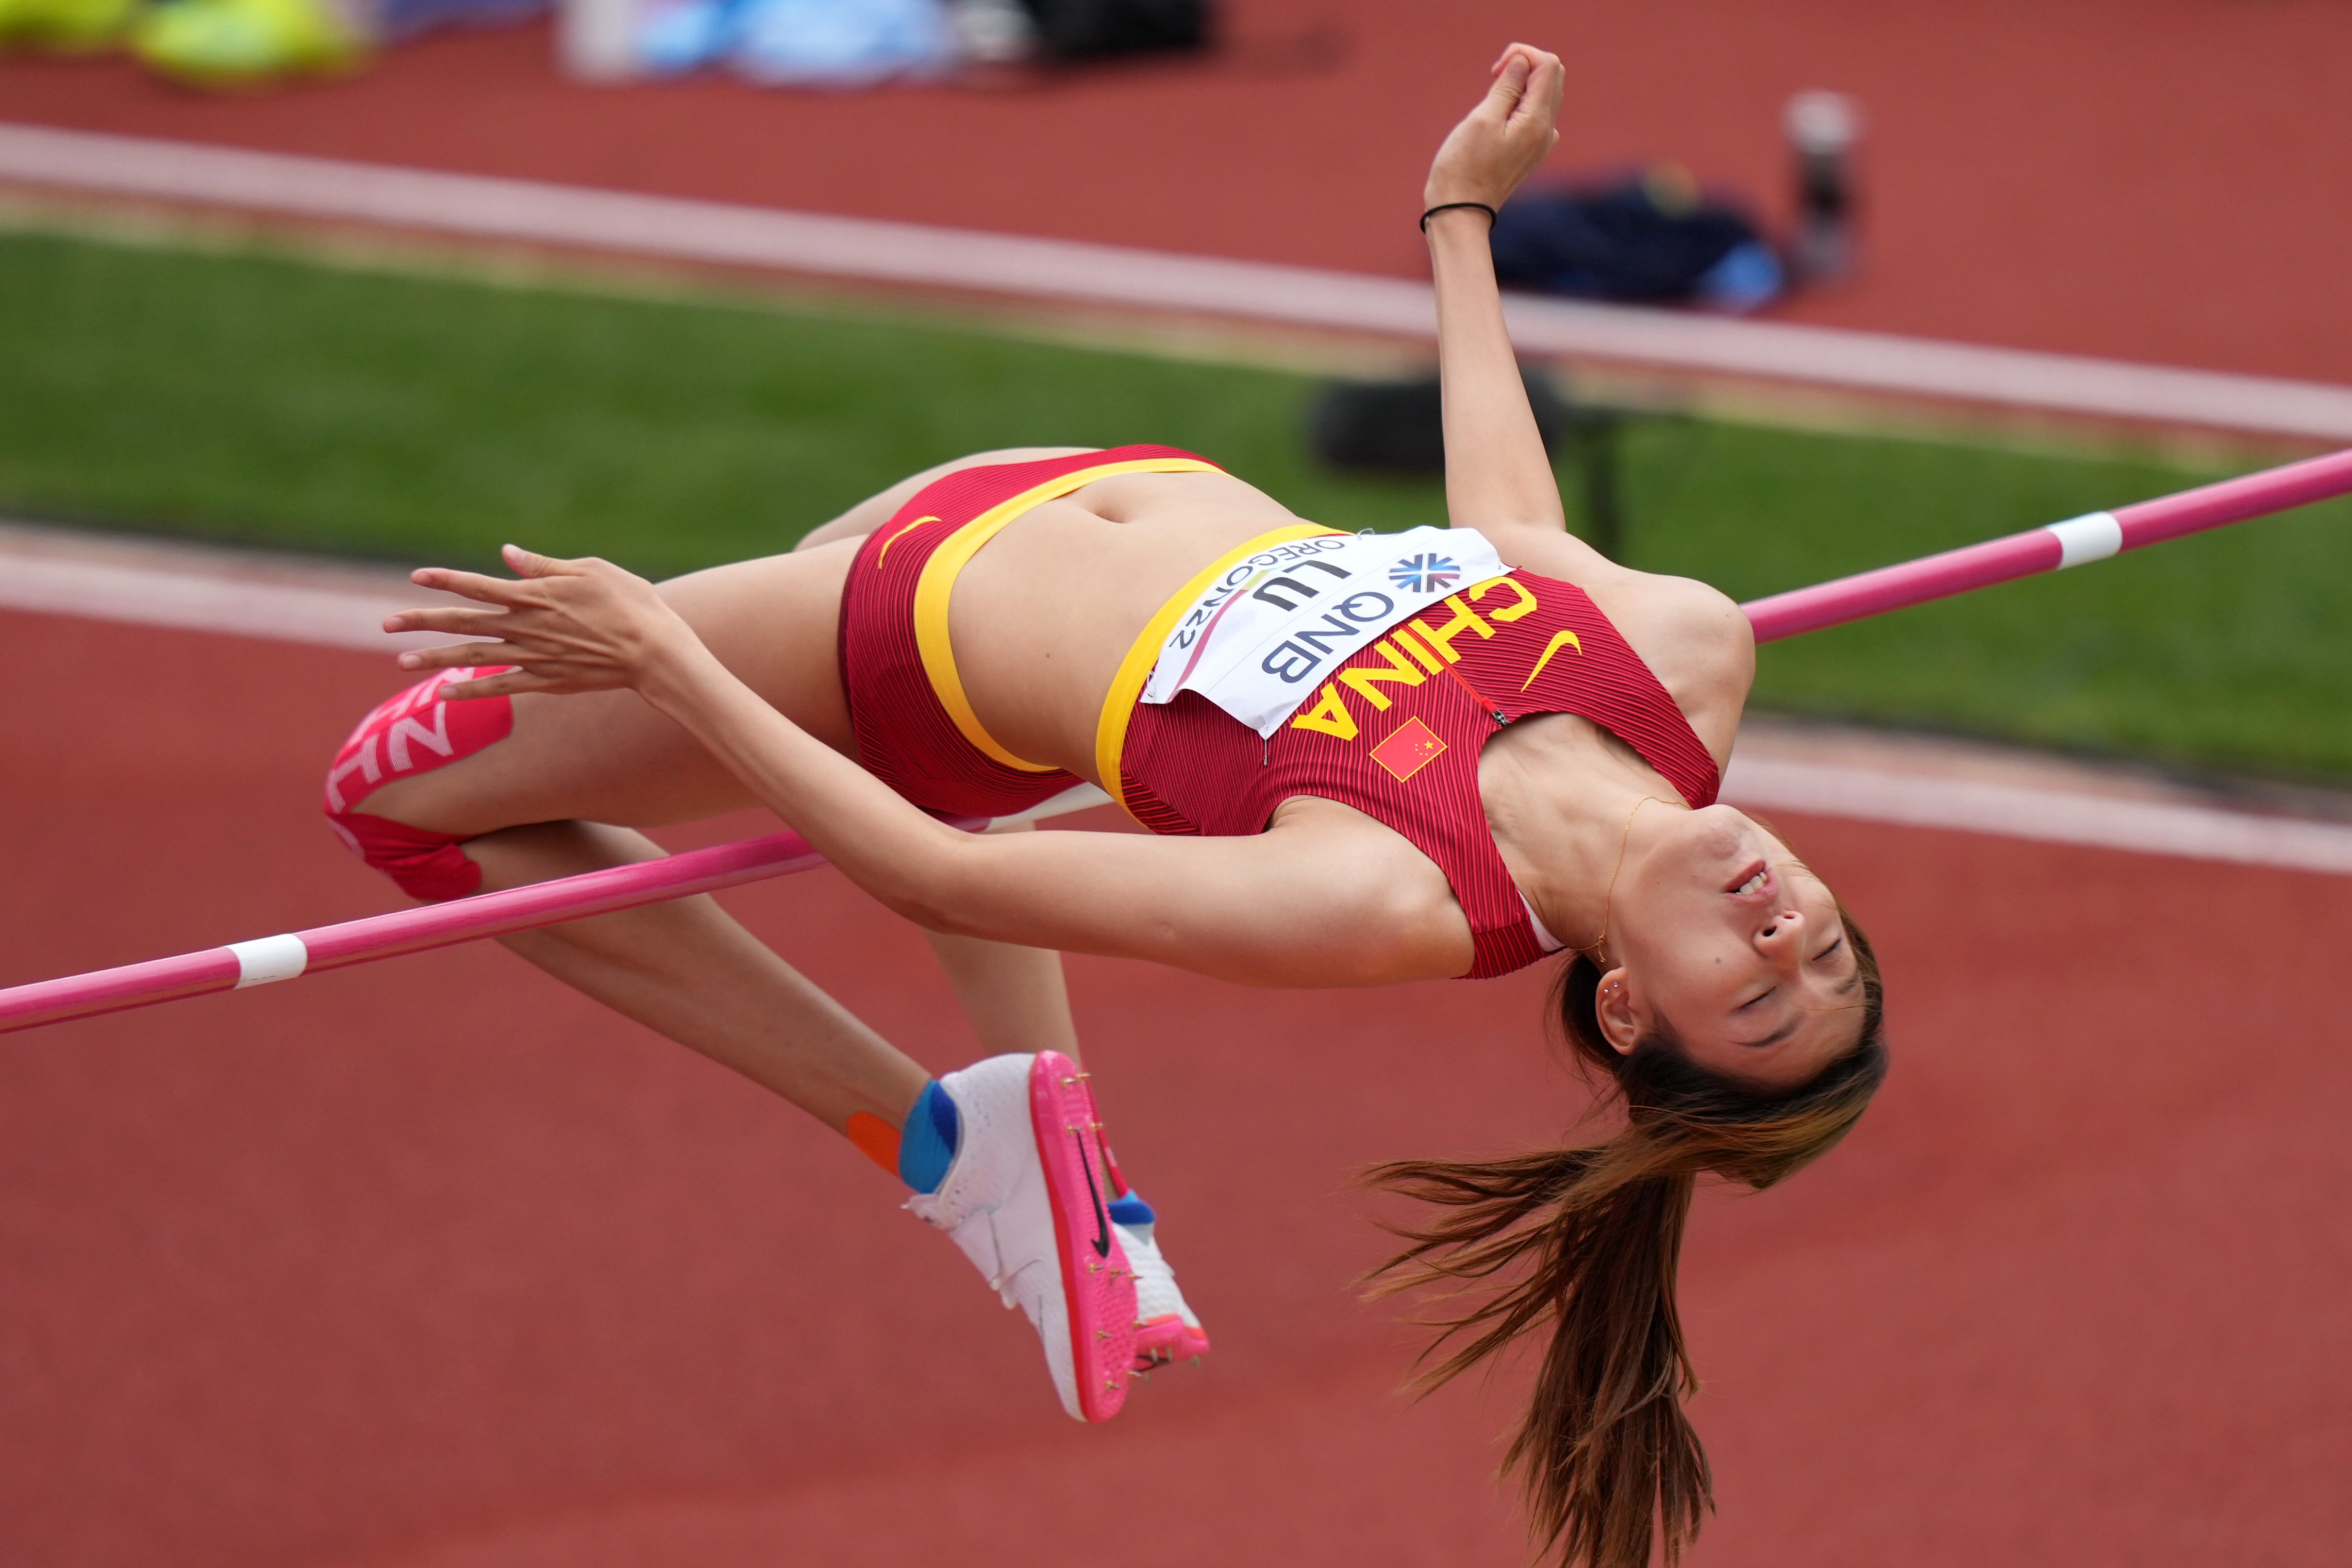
[[1449, 206]]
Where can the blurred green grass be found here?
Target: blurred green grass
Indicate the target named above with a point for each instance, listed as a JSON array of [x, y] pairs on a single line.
[[276, 400]]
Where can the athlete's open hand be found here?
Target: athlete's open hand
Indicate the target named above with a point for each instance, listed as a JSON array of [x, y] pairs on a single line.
[[568, 626], [1499, 142]]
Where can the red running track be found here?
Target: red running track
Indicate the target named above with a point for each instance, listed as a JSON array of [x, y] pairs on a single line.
[[2155, 180], [431, 1265]]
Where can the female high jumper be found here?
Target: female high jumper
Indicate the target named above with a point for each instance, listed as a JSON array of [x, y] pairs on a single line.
[[1364, 759]]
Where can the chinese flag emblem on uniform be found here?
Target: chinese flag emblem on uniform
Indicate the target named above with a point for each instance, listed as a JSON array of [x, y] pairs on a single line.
[[1412, 747]]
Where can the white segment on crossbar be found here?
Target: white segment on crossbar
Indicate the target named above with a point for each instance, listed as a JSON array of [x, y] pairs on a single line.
[[2091, 538], [269, 958]]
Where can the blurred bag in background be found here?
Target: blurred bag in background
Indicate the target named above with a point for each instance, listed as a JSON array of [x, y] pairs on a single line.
[[1089, 30], [1398, 426], [1654, 240], [65, 27], [240, 45], [232, 46]]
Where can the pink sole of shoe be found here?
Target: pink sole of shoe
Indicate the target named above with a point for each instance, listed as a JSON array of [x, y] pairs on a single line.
[[1165, 1341], [1097, 1287]]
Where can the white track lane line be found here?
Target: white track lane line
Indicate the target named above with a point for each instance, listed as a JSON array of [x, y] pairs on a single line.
[[714, 233], [335, 618], [2047, 816], [189, 588], [194, 588]]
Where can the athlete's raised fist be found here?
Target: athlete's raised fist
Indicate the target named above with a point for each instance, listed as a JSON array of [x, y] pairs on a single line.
[[1500, 142]]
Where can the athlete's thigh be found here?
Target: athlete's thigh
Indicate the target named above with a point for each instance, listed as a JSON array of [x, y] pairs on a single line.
[[608, 756]]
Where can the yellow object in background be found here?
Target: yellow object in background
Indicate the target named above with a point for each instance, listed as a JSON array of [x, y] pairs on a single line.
[[66, 26], [229, 44]]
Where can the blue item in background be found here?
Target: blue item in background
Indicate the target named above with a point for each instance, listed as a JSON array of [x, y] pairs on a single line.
[[1648, 240], [680, 36], [799, 43], [1748, 276], [841, 43]]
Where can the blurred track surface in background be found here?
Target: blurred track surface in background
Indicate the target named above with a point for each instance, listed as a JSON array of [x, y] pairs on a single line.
[[2087, 177], [436, 1265]]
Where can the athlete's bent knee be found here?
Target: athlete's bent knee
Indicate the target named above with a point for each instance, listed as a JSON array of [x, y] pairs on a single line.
[[413, 733]]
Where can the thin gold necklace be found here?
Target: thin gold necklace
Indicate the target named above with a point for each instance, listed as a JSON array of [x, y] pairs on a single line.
[[1609, 898]]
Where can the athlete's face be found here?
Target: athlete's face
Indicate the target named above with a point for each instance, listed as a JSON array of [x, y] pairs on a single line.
[[1727, 942]]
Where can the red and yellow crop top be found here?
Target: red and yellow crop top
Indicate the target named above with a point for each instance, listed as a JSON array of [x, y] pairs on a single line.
[[1395, 732]]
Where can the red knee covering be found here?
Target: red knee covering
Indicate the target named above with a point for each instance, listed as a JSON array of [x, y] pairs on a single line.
[[414, 733]]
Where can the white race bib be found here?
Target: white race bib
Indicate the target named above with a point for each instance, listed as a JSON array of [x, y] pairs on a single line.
[[1262, 636]]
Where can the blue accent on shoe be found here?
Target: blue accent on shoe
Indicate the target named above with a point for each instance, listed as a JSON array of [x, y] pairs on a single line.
[[1131, 1210], [927, 1146], [1747, 277]]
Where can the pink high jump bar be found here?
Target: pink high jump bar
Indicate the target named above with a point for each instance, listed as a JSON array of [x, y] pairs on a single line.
[[269, 958], [2051, 548], [2048, 549]]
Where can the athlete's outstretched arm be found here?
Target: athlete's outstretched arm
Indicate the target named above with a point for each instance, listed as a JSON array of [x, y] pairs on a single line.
[[1323, 900], [1497, 475]]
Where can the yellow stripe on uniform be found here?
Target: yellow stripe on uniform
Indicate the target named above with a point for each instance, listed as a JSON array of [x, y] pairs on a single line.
[[936, 583], [1135, 670]]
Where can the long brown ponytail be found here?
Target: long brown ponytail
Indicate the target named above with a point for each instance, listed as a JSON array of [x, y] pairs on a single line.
[[1588, 1240]]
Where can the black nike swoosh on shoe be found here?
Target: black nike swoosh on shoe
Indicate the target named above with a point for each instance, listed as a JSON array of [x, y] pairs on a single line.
[[1101, 1243]]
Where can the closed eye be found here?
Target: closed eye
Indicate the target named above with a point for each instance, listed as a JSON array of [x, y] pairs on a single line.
[[1757, 997], [1825, 952]]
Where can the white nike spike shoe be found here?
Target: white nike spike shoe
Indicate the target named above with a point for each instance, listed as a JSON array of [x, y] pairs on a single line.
[[1024, 1199], [1166, 1328]]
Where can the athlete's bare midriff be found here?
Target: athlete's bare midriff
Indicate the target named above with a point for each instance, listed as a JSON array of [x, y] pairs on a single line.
[[1042, 616]]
